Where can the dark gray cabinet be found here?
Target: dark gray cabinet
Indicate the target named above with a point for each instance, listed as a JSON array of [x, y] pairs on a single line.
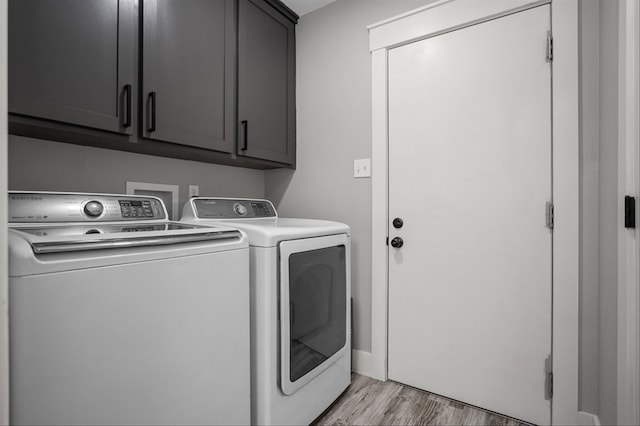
[[203, 80], [188, 72], [266, 83], [72, 61]]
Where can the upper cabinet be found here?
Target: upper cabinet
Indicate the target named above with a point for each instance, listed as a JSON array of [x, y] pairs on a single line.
[[72, 61], [266, 83], [188, 72], [205, 80]]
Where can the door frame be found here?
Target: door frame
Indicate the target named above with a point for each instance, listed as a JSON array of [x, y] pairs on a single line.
[[448, 15], [628, 374]]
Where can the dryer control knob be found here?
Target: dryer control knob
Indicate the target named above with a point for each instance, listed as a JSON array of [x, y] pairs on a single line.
[[93, 208], [239, 209]]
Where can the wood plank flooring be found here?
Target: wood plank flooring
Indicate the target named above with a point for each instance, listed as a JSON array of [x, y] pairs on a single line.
[[371, 402]]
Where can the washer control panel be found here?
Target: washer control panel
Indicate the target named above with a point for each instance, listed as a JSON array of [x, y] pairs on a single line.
[[226, 208], [136, 209], [47, 207]]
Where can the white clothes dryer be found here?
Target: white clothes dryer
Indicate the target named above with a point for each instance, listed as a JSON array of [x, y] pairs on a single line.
[[300, 307], [119, 316]]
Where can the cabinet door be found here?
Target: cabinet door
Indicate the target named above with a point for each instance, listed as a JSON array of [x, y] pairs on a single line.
[[266, 83], [72, 61], [188, 72]]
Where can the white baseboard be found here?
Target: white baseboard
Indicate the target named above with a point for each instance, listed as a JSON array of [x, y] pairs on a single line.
[[361, 362], [587, 419]]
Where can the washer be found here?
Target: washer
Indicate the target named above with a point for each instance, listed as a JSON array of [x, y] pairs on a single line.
[[300, 310], [119, 316]]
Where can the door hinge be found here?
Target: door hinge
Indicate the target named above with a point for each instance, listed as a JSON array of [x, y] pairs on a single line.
[[548, 383], [549, 215], [549, 47], [629, 212]]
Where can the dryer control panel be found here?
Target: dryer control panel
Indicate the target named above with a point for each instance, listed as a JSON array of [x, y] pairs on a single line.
[[49, 207], [228, 208]]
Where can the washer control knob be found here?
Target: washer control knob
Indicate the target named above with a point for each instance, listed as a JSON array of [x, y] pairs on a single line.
[[240, 209], [93, 208], [397, 242]]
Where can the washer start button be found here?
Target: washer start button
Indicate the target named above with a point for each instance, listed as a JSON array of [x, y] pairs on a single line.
[[93, 208]]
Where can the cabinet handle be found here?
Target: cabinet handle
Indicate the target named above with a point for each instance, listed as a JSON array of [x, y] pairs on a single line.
[[127, 105], [245, 128], [151, 108]]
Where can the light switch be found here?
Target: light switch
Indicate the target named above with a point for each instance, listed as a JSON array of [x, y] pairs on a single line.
[[194, 191], [362, 168]]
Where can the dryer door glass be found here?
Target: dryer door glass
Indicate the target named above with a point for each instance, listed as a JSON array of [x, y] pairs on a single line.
[[314, 308], [317, 308]]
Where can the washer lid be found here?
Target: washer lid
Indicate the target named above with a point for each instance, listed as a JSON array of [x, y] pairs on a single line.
[[62, 238]]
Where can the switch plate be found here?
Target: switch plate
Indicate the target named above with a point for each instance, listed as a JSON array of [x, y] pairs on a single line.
[[194, 191], [362, 168]]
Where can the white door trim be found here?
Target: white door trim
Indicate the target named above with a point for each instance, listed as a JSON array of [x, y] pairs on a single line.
[[450, 15], [628, 410], [439, 17]]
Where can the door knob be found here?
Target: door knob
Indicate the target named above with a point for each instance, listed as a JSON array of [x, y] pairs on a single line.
[[397, 223], [397, 242]]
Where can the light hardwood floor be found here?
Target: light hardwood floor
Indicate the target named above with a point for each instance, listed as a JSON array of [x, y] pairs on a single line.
[[372, 402]]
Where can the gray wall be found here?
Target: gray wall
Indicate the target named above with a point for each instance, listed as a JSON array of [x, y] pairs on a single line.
[[51, 166], [599, 211], [599, 208], [608, 213], [334, 128], [589, 199]]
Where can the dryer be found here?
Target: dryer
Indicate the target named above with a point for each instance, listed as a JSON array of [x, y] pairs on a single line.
[[300, 310], [119, 316]]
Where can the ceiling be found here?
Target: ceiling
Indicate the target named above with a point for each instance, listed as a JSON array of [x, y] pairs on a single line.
[[305, 6]]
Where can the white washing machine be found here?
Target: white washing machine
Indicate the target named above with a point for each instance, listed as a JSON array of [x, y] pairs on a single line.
[[118, 316], [300, 310]]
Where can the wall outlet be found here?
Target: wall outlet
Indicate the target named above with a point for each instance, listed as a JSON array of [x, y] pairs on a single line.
[[362, 168], [194, 191]]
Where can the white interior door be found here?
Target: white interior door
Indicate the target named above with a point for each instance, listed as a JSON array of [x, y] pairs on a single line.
[[470, 175]]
